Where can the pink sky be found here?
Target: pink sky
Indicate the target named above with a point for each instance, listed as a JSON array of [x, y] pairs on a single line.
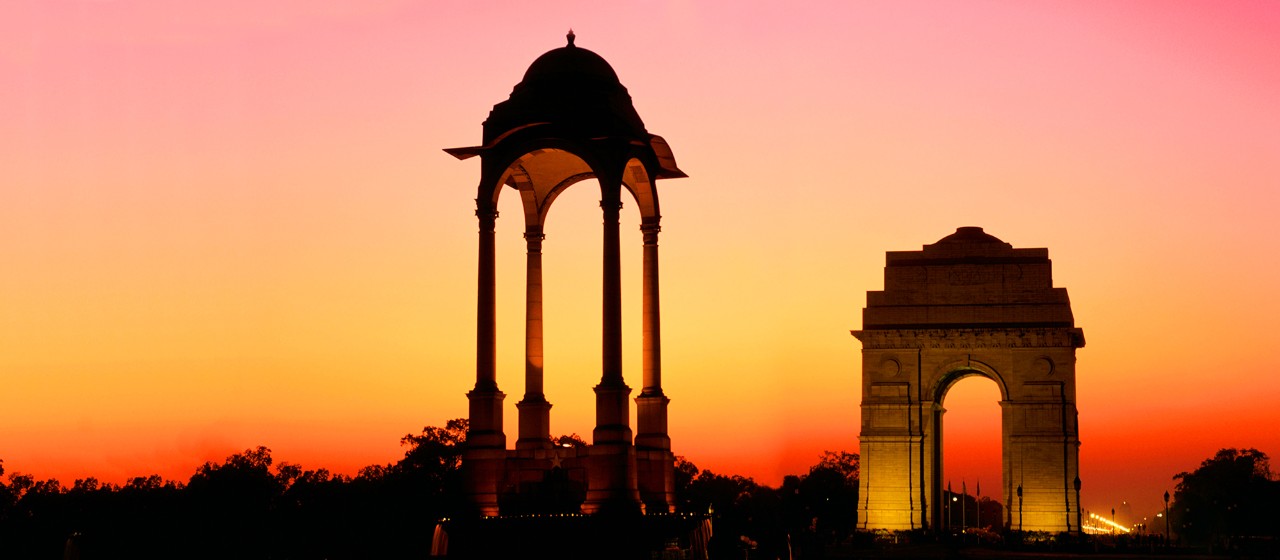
[[227, 224]]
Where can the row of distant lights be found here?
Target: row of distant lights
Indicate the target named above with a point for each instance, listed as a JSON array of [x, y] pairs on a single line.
[[553, 515], [1106, 526]]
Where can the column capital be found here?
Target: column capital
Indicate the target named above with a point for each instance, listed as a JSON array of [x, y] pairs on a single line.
[[650, 232], [485, 212]]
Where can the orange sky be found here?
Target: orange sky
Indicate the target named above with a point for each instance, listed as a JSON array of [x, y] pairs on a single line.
[[227, 225]]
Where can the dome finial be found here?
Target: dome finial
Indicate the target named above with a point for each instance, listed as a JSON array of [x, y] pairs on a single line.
[[570, 36]]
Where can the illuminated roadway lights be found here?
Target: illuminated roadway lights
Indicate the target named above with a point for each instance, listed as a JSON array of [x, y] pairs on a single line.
[[1092, 529], [1110, 524]]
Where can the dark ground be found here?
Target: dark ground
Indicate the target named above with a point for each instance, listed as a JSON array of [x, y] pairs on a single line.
[[942, 551]]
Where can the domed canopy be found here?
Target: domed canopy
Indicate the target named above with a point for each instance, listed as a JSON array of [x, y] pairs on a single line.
[[571, 93], [570, 63], [572, 87]]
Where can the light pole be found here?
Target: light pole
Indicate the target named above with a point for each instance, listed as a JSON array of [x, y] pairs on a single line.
[[946, 509], [977, 502], [1166, 518], [1079, 525], [950, 522], [1113, 521], [1019, 507]]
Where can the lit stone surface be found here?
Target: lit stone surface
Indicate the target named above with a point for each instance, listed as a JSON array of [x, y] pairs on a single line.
[[969, 304]]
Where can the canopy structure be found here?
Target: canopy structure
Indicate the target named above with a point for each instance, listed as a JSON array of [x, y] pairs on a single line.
[[568, 120]]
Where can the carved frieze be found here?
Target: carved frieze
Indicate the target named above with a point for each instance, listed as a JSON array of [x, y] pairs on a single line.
[[971, 338]]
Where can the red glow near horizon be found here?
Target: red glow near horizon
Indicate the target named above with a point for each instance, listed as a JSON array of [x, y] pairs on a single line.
[[971, 438]]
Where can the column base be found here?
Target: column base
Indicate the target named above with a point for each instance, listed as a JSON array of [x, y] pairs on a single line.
[[613, 415], [485, 454], [655, 479], [611, 481], [482, 474], [651, 422], [484, 429], [535, 423]]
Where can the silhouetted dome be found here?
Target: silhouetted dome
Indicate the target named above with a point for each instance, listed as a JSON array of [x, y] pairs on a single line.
[[573, 88], [971, 234], [570, 63]]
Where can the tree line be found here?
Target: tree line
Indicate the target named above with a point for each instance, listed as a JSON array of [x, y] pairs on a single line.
[[252, 506], [248, 506]]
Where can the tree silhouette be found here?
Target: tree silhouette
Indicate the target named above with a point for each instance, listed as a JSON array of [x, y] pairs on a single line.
[[246, 506], [251, 506], [1232, 493], [821, 507], [571, 440], [231, 504]]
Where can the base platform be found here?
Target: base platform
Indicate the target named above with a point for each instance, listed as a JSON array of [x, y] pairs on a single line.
[[634, 537]]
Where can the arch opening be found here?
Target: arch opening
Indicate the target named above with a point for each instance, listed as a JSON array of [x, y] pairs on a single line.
[[573, 274], [971, 467]]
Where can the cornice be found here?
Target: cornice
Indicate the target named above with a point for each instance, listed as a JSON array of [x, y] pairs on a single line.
[[1060, 337]]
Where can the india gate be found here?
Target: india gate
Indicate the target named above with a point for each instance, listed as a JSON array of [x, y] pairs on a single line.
[[969, 304]]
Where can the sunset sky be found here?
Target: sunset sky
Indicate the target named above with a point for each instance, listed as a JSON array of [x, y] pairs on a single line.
[[231, 224]]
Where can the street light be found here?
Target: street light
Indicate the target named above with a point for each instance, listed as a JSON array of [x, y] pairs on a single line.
[[951, 513], [1079, 525], [1166, 518], [1019, 507]]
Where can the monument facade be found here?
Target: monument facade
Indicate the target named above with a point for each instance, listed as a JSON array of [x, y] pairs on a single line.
[[967, 305], [569, 120]]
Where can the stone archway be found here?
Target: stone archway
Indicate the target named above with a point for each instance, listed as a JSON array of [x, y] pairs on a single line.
[[969, 304], [946, 517]]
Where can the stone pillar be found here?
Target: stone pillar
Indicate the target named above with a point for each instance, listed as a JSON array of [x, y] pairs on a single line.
[[535, 411], [612, 293], [1044, 464], [486, 443], [611, 485], [652, 403], [655, 465], [652, 359], [486, 304], [613, 422]]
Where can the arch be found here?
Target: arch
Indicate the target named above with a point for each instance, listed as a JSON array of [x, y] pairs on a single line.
[[638, 181], [968, 305], [548, 167], [950, 373], [962, 511], [558, 189], [539, 173], [947, 376]]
